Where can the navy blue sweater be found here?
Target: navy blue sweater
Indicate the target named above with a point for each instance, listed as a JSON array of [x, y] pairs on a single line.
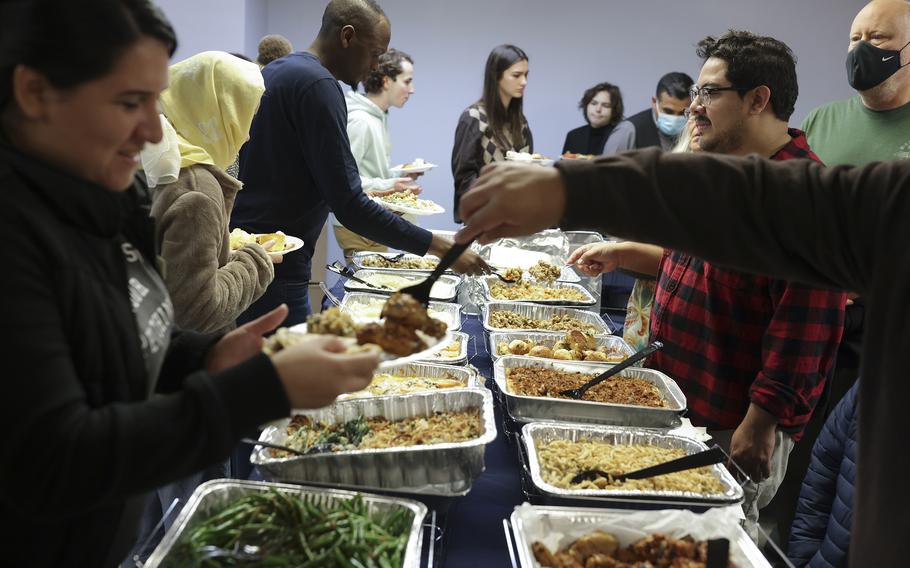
[[297, 166]]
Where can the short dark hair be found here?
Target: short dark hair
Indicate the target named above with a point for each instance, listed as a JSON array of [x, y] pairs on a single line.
[[615, 101], [272, 47], [390, 65], [501, 119], [675, 84], [753, 60], [362, 14], [73, 42]]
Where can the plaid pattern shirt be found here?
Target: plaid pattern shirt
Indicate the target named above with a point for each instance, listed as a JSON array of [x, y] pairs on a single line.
[[732, 338]]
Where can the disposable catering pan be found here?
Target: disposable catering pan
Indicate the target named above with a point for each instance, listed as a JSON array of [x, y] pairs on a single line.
[[467, 377], [445, 289], [588, 300], [537, 433], [460, 359], [448, 312], [358, 258], [212, 497], [438, 469], [563, 525], [529, 408], [548, 339], [541, 312]]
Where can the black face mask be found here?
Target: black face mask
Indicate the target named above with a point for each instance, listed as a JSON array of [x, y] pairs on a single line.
[[869, 66]]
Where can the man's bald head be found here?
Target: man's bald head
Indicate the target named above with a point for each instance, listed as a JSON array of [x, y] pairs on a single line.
[[364, 15], [883, 23]]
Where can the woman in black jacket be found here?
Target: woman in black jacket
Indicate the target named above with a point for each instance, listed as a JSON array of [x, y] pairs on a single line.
[[494, 124], [601, 105], [102, 402]]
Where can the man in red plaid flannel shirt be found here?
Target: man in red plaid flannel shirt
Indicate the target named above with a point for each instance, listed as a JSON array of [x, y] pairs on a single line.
[[750, 353]]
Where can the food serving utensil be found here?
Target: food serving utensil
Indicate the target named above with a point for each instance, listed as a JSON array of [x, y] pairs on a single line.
[[503, 278], [421, 291], [252, 442], [328, 294], [349, 274], [393, 258], [700, 459], [580, 391]]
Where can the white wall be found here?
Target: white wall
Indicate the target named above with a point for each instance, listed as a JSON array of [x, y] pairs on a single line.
[[572, 45]]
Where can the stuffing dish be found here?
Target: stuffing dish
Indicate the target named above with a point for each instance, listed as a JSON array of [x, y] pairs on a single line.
[[239, 237], [307, 435], [546, 382], [545, 272], [378, 261], [561, 460], [600, 549], [524, 290], [503, 319], [575, 346]]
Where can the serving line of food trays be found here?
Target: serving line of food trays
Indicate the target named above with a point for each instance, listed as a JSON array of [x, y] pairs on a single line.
[[534, 434], [367, 307], [525, 408], [530, 524], [388, 360], [214, 497], [613, 343], [446, 470], [588, 298], [541, 312], [405, 262], [444, 290]]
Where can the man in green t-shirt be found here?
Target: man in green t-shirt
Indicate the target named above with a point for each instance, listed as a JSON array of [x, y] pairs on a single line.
[[875, 125]]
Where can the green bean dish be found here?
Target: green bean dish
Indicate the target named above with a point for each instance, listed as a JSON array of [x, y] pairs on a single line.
[[280, 529]]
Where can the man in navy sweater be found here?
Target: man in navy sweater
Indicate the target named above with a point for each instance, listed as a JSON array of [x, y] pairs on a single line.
[[297, 165]]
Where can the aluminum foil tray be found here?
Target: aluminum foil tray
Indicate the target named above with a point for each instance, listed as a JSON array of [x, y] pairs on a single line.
[[548, 339], [529, 408], [537, 311], [452, 311], [357, 261], [588, 301], [430, 370], [461, 359], [214, 496], [438, 469], [532, 434], [449, 281], [535, 523]]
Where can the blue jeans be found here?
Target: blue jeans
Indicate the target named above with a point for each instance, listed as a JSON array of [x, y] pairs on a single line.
[[294, 293]]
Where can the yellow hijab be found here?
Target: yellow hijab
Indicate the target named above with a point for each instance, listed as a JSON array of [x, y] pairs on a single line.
[[210, 101]]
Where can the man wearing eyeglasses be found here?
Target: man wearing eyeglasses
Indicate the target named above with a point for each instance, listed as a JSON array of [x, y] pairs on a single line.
[[751, 353]]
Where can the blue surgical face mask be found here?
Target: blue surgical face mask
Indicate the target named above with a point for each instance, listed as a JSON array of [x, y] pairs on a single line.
[[669, 124]]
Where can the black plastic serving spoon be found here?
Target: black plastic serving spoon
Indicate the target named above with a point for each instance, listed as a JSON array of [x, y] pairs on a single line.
[[421, 291], [580, 391], [700, 459]]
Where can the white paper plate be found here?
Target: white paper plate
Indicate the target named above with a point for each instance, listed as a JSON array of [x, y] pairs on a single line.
[[387, 360], [435, 210], [400, 169], [294, 242]]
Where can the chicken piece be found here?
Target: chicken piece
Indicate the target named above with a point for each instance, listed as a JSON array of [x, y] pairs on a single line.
[[563, 354], [597, 542], [404, 310], [566, 560], [603, 561], [541, 351], [578, 340], [396, 339], [543, 555], [519, 347]]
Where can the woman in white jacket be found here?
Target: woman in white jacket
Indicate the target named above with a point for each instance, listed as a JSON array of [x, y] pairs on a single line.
[[390, 84]]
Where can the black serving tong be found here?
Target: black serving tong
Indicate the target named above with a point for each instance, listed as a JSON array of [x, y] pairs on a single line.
[[392, 258], [580, 391], [421, 291], [253, 442], [337, 268], [700, 459]]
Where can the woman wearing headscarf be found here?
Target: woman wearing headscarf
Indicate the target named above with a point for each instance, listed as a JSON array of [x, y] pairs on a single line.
[[210, 103]]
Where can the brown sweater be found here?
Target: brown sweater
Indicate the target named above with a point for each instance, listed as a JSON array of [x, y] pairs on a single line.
[[209, 285], [838, 227]]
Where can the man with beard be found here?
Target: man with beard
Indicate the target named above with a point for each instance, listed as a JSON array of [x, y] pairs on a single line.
[[751, 353], [297, 165]]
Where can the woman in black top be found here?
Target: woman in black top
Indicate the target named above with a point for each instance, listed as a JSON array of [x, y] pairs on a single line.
[[102, 401], [494, 124], [601, 106]]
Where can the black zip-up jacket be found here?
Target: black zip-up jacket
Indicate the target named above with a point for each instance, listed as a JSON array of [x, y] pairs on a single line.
[[82, 440]]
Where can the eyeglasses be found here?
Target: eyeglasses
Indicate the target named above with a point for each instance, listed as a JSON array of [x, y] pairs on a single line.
[[705, 93]]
